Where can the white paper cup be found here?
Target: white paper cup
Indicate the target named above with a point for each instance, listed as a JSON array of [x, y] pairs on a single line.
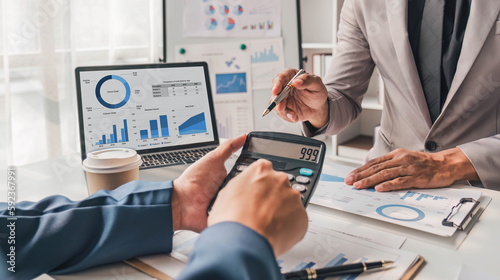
[[110, 168]]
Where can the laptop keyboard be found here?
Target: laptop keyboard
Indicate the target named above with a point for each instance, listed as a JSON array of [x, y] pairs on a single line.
[[173, 158]]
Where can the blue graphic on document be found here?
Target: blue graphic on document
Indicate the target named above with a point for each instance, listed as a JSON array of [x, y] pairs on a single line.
[[231, 62], [400, 212], [410, 194], [330, 178], [264, 56], [231, 83]]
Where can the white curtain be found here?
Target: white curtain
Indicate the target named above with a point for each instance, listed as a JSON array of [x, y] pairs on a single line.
[[41, 43]]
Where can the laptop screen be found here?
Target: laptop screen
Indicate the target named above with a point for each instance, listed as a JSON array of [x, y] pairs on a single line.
[[149, 108]]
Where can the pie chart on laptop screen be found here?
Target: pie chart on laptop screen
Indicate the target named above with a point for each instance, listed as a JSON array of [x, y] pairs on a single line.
[[112, 91]]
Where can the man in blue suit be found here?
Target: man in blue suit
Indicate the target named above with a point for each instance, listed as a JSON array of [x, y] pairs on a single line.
[[255, 218]]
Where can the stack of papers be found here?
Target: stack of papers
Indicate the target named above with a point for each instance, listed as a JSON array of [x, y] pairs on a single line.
[[327, 242]]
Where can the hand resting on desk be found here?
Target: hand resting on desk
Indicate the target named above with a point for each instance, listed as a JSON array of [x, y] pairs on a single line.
[[403, 169]]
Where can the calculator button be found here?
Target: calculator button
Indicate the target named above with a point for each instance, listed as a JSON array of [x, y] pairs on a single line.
[[306, 172], [241, 167], [303, 180], [299, 187], [290, 177]]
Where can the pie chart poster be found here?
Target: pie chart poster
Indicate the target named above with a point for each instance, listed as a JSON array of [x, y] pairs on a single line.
[[232, 18]]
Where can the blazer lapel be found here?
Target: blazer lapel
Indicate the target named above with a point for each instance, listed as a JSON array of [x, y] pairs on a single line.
[[483, 15], [397, 17]]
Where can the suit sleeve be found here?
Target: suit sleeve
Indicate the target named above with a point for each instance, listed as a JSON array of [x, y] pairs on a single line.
[[231, 251], [484, 156], [348, 74], [58, 236]]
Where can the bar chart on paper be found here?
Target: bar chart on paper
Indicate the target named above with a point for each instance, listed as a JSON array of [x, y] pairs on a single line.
[[265, 55], [423, 209]]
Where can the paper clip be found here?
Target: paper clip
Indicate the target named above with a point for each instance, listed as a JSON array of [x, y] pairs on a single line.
[[446, 221]]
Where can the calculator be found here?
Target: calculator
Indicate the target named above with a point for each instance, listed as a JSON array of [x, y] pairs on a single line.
[[301, 158]]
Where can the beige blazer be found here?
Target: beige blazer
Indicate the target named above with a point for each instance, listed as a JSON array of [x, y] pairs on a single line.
[[374, 32]]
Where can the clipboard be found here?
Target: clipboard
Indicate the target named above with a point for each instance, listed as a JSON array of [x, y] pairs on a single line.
[[448, 222]]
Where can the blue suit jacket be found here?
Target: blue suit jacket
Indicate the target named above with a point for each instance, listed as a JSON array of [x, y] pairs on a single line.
[[59, 236]]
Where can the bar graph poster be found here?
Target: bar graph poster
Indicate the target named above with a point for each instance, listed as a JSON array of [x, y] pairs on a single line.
[[215, 18], [418, 209], [231, 79], [266, 57]]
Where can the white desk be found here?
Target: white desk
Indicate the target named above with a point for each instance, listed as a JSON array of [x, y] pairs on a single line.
[[479, 250]]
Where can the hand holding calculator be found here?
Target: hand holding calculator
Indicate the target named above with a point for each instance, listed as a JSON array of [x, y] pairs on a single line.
[[298, 156]]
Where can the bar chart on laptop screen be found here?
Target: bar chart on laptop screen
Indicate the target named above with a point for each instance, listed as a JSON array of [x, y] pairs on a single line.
[[145, 108]]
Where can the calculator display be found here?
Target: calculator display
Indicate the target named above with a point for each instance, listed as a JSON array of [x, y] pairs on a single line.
[[284, 149]]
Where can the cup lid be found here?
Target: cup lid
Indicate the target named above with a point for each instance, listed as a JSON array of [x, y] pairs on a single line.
[[111, 160]]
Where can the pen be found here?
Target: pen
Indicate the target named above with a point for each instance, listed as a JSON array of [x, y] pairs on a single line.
[[354, 268], [284, 92]]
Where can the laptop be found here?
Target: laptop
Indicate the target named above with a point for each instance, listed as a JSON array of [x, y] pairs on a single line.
[[163, 111]]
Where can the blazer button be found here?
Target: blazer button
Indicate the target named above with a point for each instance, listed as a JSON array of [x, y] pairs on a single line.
[[430, 145]]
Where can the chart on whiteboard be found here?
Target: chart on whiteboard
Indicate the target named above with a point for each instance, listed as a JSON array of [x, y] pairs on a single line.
[[231, 79], [419, 209], [230, 18]]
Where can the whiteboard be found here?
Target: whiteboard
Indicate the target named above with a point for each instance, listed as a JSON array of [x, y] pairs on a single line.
[[291, 48]]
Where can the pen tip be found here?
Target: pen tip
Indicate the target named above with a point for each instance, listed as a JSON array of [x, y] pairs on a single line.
[[265, 112], [386, 263]]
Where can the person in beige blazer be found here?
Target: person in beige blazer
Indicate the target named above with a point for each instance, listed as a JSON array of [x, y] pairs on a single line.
[[411, 150]]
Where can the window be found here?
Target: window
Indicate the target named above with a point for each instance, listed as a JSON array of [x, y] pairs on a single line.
[[41, 43]]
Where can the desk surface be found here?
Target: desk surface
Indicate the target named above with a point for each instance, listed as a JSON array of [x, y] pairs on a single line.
[[479, 250]]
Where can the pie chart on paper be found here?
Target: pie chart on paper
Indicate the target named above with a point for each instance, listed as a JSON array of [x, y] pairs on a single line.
[[224, 10], [211, 24], [238, 10], [228, 23], [209, 10]]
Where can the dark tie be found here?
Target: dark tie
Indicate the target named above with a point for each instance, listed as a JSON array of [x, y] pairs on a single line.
[[429, 54]]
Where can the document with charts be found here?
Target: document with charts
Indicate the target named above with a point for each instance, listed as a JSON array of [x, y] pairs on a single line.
[[322, 246], [416, 208]]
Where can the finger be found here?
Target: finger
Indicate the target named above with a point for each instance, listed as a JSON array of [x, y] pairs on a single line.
[[354, 175], [287, 110], [229, 147], [283, 113], [395, 184], [288, 115], [291, 115], [261, 164], [379, 177], [281, 79], [375, 169], [308, 81], [282, 105]]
